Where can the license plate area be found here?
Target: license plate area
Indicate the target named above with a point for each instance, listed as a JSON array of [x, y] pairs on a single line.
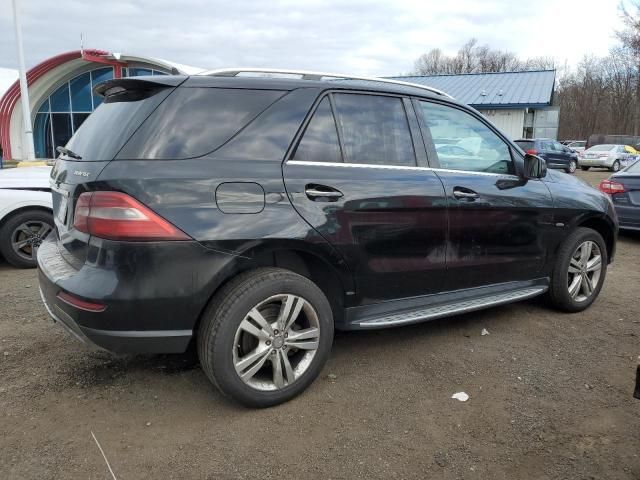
[[60, 204]]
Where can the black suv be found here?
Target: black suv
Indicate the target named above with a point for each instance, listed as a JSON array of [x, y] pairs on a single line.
[[554, 153], [249, 217]]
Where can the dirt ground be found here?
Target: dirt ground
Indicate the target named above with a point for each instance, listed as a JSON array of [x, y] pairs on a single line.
[[550, 398]]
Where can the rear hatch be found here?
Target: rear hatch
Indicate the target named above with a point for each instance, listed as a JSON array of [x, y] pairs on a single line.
[[127, 103]]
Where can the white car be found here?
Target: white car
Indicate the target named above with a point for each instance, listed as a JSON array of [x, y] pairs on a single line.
[[577, 146], [25, 213], [613, 157]]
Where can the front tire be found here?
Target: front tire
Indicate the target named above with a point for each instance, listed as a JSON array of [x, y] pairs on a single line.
[[265, 336], [22, 234], [579, 273]]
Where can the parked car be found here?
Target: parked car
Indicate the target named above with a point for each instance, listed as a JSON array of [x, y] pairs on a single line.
[[25, 213], [556, 155], [577, 146], [613, 157], [602, 139], [624, 189], [253, 216]]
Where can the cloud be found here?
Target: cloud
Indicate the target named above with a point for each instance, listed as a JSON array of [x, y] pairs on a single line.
[[363, 37]]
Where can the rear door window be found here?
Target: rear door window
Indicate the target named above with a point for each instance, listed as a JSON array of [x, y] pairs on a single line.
[[374, 129], [320, 140], [195, 121]]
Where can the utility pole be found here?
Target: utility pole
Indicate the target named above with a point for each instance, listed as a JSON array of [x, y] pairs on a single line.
[[28, 152]]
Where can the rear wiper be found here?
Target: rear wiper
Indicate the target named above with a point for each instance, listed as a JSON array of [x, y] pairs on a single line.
[[68, 153]]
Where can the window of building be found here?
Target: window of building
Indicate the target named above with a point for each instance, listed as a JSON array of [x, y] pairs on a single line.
[[62, 113], [320, 140], [374, 129]]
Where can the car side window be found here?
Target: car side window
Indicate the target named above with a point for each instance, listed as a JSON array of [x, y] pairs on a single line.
[[320, 140], [374, 130], [462, 142]]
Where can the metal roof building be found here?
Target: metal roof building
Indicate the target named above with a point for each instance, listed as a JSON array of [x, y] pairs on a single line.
[[519, 103]]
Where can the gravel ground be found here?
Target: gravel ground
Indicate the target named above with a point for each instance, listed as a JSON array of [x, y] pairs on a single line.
[[550, 397]]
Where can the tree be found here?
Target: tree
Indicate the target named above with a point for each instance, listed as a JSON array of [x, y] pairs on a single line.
[[630, 39], [475, 58]]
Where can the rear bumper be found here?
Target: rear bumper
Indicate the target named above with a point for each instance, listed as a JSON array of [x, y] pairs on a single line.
[[628, 216], [151, 305], [117, 341]]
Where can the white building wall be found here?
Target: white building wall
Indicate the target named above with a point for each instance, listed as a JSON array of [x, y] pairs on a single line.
[[509, 121]]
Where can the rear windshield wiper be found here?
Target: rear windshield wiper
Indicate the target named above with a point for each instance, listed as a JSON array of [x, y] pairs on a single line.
[[68, 153]]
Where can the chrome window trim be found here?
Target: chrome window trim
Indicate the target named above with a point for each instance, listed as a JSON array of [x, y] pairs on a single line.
[[397, 167]]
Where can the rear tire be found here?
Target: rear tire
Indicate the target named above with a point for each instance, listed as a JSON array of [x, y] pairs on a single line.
[[252, 324], [582, 254], [572, 167], [22, 234], [615, 167]]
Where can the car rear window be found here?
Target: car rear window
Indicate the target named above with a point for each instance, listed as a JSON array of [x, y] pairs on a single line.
[[524, 145], [601, 148], [192, 122], [104, 132], [635, 167]]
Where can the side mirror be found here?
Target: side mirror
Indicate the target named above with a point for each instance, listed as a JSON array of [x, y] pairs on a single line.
[[534, 166]]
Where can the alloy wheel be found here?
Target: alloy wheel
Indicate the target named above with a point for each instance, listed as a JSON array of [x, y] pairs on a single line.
[[276, 342], [584, 272], [27, 237], [572, 166]]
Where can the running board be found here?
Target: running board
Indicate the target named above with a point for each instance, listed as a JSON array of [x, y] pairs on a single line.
[[454, 308]]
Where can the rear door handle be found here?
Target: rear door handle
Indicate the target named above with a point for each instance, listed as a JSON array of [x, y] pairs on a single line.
[[464, 193], [317, 192]]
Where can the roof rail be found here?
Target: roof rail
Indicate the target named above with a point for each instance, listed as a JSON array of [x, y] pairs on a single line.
[[307, 75]]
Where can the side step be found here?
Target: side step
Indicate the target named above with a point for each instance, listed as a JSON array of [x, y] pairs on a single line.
[[448, 309]]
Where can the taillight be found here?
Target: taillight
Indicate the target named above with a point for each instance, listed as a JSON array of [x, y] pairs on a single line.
[[81, 304], [117, 216], [611, 187], [532, 151]]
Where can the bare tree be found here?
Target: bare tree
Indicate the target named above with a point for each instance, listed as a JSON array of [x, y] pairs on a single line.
[[630, 39], [475, 58]]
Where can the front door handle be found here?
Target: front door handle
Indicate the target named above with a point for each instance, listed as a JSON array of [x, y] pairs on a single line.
[[462, 193], [322, 192]]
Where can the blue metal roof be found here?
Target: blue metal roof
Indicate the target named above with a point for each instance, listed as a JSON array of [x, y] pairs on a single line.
[[496, 90]]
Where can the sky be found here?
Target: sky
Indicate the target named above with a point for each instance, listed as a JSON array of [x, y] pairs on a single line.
[[345, 36]]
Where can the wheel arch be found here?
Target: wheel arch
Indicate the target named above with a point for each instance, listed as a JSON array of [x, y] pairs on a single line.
[[605, 228], [327, 271], [12, 213]]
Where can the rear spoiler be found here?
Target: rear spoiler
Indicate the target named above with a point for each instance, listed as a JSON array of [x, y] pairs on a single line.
[[140, 87]]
